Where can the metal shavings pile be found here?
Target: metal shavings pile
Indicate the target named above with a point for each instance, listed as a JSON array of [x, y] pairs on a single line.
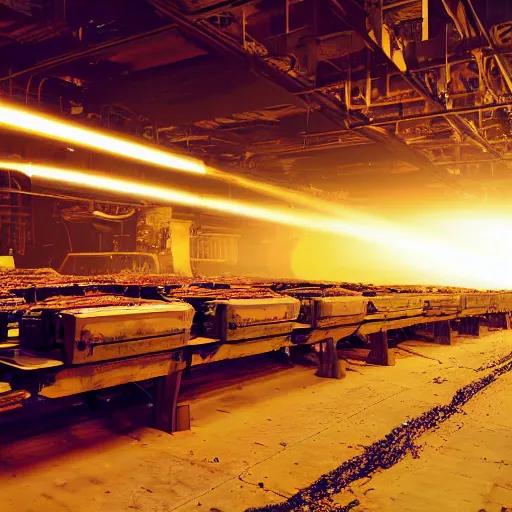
[[382, 454]]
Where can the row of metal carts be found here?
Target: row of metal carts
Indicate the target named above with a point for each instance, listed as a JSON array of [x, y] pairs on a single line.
[[63, 336]]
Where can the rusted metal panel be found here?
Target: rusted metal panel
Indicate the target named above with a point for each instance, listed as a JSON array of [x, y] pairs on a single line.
[[245, 312], [394, 306], [500, 302], [441, 304], [259, 331], [255, 318], [100, 334], [474, 303], [331, 311]]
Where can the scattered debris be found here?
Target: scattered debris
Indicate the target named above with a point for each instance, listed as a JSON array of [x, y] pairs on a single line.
[[495, 362], [382, 454]]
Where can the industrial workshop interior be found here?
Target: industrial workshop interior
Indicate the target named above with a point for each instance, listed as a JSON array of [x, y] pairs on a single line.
[[255, 255]]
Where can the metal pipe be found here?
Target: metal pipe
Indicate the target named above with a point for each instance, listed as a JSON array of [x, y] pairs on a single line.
[[465, 162], [430, 115], [287, 16], [71, 198], [40, 88], [29, 83], [412, 117]]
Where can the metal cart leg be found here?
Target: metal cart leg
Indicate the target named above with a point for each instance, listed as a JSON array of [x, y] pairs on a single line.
[[443, 332], [330, 366], [165, 403], [380, 353]]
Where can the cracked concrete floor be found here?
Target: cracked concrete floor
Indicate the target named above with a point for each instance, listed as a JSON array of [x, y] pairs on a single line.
[[257, 440]]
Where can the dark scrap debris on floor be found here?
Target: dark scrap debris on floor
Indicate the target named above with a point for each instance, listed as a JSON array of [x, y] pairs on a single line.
[[386, 452]]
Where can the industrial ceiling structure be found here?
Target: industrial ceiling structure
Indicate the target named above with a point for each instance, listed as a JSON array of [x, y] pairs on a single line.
[[353, 99]]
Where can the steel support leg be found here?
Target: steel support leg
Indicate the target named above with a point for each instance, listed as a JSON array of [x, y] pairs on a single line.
[[380, 353], [498, 320], [470, 326], [330, 366], [165, 404], [4, 329]]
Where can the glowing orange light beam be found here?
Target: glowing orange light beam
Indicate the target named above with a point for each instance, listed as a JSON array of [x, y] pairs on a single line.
[[44, 126], [47, 127], [173, 196]]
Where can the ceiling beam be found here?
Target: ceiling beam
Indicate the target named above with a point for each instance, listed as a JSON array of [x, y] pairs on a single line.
[[354, 17], [70, 57], [216, 39], [465, 130]]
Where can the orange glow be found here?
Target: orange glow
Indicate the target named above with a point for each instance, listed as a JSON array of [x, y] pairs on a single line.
[[285, 194], [408, 256], [444, 249], [406, 252], [44, 126]]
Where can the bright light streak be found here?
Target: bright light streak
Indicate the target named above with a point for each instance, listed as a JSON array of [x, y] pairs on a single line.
[[283, 193], [169, 195], [439, 261], [483, 233], [38, 124], [434, 257], [440, 256]]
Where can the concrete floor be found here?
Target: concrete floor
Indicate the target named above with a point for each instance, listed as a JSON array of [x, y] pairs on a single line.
[[258, 441]]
